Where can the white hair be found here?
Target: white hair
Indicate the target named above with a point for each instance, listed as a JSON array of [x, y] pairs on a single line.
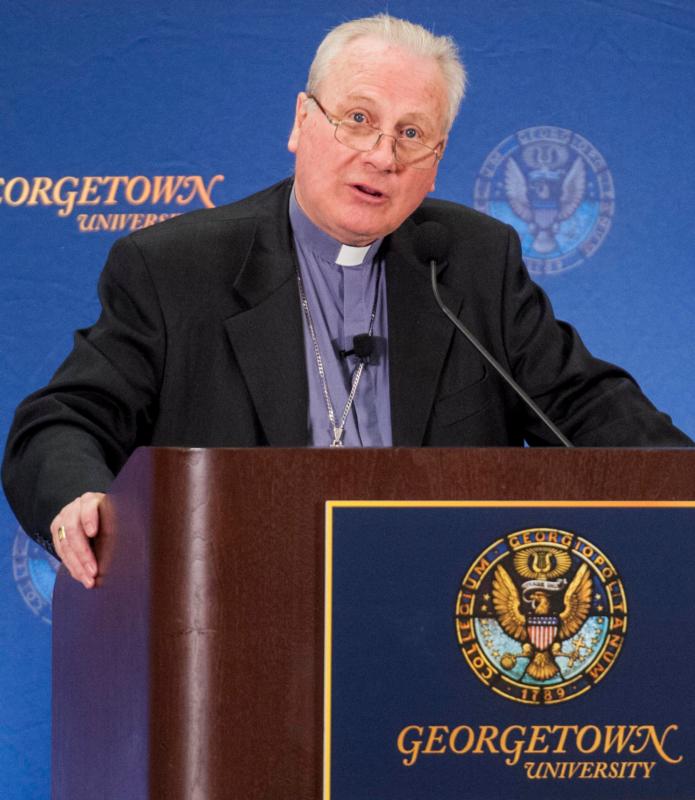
[[401, 33]]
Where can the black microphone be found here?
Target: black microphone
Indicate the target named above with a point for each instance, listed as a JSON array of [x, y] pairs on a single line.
[[431, 244], [362, 347]]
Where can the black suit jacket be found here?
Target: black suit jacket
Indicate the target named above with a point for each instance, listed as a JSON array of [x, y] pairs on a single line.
[[200, 344]]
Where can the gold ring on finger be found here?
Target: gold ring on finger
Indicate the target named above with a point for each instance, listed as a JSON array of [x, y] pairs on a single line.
[[62, 534]]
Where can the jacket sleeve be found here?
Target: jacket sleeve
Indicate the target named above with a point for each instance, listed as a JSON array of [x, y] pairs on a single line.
[[594, 403], [74, 435]]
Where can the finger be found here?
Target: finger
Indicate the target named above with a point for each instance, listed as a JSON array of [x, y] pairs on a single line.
[[70, 558], [89, 512], [89, 522], [68, 539], [80, 543]]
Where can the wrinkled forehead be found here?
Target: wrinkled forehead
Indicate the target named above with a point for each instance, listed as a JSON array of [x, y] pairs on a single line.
[[368, 67]]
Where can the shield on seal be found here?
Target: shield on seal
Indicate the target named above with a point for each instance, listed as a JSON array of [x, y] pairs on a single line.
[[541, 631]]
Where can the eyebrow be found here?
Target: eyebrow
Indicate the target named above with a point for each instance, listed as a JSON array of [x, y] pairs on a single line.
[[415, 116]]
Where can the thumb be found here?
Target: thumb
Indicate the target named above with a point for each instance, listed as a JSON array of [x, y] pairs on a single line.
[[89, 512]]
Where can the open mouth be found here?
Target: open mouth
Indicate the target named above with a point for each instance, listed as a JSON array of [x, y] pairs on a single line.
[[367, 190]]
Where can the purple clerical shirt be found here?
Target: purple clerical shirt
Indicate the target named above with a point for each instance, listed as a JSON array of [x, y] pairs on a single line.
[[342, 285]]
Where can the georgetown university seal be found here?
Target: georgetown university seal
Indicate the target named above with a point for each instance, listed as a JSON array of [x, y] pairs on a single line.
[[541, 615], [553, 186]]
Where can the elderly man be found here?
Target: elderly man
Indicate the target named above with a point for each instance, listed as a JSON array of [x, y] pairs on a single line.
[[301, 315]]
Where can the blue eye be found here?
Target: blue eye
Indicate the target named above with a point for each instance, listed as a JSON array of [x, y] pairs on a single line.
[[410, 133], [358, 117]]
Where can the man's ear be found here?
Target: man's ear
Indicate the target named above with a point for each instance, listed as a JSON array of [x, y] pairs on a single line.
[[300, 114], [441, 155]]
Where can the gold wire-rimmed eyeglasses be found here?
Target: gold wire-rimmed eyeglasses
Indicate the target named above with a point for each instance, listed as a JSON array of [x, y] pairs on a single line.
[[364, 137]]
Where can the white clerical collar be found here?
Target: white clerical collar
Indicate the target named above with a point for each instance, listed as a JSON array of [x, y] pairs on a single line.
[[324, 246], [349, 256]]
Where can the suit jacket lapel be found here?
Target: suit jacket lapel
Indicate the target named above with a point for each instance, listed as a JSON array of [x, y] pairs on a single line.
[[265, 329], [419, 338]]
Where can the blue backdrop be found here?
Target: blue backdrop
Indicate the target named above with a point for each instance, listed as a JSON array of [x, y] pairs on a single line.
[[577, 128]]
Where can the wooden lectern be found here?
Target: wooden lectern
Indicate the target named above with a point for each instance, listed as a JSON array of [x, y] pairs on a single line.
[[194, 669]]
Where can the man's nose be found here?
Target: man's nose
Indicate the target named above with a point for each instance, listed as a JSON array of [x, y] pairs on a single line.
[[383, 154]]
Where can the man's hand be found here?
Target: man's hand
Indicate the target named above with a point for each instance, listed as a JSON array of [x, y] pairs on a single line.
[[71, 530]]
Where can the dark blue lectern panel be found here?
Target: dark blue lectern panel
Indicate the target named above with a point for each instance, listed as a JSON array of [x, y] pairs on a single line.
[[479, 652]]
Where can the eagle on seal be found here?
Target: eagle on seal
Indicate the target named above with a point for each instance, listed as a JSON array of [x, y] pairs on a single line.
[[541, 630]]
